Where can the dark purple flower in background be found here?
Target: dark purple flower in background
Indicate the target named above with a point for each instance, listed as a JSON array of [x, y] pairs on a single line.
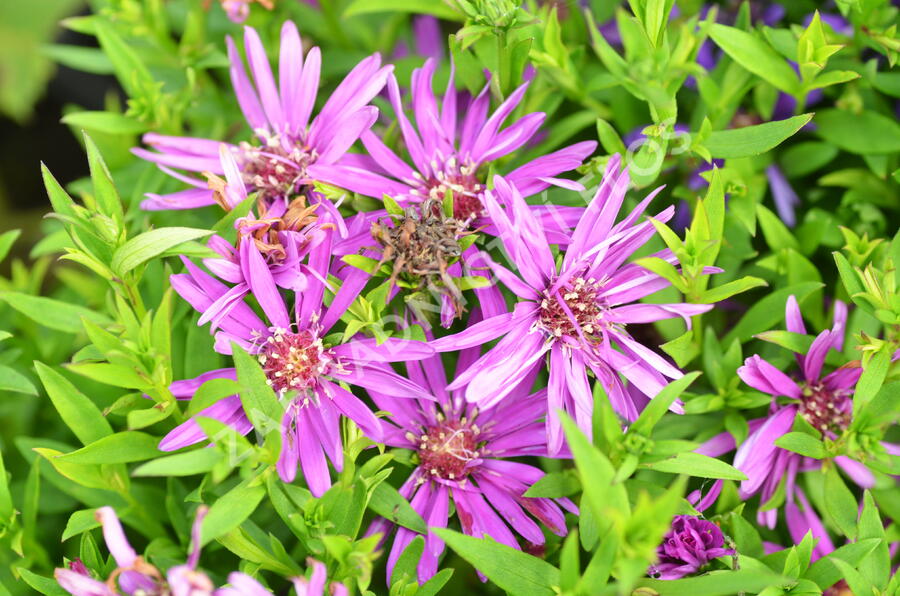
[[298, 365], [783, 194], [449, 147], [688, 546], [279, 114], [463, 453], [576, 313]]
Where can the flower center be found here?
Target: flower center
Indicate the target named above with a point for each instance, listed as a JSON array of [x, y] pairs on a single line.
[[272, 170], [445, 450], [463, 183], [826, 410], [266, 231], [573, 308], [293, 361]]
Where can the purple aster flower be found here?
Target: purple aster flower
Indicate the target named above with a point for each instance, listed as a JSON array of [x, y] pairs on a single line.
[[450, 155], [299, 366], [783, 194], [689, 545], [134, 575], [822, 400], [575, 312], [282, 234], [241, 584], [279, 114], [239, 10], [462, 454]]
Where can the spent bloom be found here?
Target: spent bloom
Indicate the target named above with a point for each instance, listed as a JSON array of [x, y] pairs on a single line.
[[463, 457], [688, 546], [280, 116], [576, 312], [450, 147], [303, 370]]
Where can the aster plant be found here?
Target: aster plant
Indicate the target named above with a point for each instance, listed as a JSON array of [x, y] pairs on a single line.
[[358, 297]]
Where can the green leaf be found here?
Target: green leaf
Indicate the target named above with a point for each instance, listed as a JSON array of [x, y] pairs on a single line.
[[91, 60], [555, 485], [877, 567], [807, 157], [857, 583], [44, 585], [874, 373], [24, 28], [198, 461], [768, 311], [865, 133], [105, 122], [695, 464], [840, 504], [144, 247], [753, 140], [260, 403], [729, 289], [803, 444], [51, 313], [13, 380], [119, 448], [59, 198], [510, 569], [130, 69], [824, 572], [105, 192], [794, 342], [387, 502], [80, 521], [230, 511], [6, 241], [659, 405], [438, 9], [607, 499], [778, 237], [7, 510], [715, 583], [756, 56], [78, 412]]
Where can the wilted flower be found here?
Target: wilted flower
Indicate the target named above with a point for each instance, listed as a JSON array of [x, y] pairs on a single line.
[[690, 544], [462, 454], [298, 365], [280, 117], [576, 312]]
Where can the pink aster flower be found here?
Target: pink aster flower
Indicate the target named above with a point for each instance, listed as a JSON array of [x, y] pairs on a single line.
[[133, 575], [463, 457], [689, 545], [241, 584], [576, 312], [299, 366], [822, 400], [450, 147], [279, 115]]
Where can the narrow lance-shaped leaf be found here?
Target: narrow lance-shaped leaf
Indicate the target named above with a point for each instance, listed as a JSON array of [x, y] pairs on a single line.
[[79, 413], [512, 570]]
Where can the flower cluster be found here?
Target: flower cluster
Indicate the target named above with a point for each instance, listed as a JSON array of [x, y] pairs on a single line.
[[570, 321], [393, 302]]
